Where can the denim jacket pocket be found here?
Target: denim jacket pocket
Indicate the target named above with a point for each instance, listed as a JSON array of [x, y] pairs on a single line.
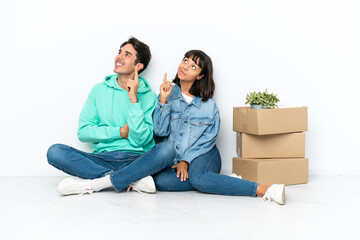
[[198, 126]]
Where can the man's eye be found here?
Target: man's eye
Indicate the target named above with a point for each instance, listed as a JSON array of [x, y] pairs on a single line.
[[127, 54], [194, 67], [185, 60]]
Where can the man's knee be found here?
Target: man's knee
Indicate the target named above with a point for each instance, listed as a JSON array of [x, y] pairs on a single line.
[[55, 154]]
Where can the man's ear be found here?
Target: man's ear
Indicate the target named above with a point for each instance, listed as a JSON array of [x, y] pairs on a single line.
[[199, 77], [139, 66]]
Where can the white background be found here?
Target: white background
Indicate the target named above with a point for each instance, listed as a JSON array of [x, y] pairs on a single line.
[[53, 52]]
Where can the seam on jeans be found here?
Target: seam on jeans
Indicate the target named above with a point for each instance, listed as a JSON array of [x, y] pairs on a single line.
[[208, 163], [144, 154], [78, 175], [85, 154], [65, 170], [119, 170], [112, 182], [105, 160], [127, 159], [116, 164], [255, 188], [205, 170]]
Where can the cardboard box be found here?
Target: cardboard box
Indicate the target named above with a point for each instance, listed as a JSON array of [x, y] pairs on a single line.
[[270, 121], [270, 171], [288, 145]]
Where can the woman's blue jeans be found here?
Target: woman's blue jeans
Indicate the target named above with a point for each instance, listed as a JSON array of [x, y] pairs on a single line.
[[123, 167], [204, 176]]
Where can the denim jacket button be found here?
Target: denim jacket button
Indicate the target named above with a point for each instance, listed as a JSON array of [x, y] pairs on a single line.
[[181, 134], [185, 121], [177, 147]]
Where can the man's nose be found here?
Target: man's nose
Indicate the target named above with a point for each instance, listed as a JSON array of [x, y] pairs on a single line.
[[121, 56]]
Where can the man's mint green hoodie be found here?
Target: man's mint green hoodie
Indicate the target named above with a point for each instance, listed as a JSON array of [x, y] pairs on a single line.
[[108, 108]]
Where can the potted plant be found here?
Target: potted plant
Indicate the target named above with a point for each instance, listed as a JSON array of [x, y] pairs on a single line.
[[262, 100]]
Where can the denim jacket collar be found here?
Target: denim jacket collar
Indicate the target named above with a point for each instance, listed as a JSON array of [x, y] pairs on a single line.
[[176, 94]]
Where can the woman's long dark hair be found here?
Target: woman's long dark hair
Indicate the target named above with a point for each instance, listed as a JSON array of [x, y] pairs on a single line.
[[204, 87]]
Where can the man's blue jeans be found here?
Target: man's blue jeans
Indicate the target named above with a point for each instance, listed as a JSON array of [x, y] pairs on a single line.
[[204, 176], [123, 167]]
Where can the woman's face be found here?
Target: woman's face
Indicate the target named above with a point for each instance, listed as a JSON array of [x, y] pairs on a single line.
[[189, 70]]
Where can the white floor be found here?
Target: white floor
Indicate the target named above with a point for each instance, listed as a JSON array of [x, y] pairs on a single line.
[[325, 208]]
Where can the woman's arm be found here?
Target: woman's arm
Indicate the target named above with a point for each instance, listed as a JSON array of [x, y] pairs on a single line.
[[161, 116], [161, 119]]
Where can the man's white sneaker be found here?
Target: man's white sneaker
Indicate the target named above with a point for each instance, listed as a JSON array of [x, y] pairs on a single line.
[[74, 185], [276, 192], [145, 184], [235, 176]]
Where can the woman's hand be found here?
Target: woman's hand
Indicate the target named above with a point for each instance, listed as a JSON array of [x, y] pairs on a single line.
[[182, 170], [165, 89]]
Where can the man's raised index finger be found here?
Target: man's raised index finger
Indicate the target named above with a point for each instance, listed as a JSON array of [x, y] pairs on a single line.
[[165, 76], [136, 77]]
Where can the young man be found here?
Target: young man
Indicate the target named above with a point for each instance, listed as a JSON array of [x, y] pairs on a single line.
[[117, 120]]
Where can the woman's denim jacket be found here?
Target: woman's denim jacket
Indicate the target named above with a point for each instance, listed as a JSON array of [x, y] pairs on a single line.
[[191, 128]]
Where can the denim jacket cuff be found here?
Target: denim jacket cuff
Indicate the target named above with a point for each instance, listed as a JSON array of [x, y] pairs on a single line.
[[163, 106], [186, 159]]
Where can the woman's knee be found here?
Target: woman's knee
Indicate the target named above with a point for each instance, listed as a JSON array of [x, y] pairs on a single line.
[[197, 182]]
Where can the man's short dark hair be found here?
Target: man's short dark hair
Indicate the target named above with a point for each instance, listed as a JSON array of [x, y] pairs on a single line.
[[143, 54]]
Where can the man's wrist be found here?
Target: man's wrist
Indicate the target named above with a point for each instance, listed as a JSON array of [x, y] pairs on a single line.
[[122, 133], [133, 100]]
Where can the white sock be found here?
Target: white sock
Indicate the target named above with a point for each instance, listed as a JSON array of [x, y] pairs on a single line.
[[99, 184]]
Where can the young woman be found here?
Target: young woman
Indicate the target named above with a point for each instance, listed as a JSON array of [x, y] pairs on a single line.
[[187, 116]]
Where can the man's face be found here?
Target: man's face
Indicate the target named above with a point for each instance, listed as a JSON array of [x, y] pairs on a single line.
[[125, 60]]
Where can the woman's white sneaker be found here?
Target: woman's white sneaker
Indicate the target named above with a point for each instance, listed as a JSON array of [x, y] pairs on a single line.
[[235, 176], [276, 192], [74, 185], [145, 184]]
